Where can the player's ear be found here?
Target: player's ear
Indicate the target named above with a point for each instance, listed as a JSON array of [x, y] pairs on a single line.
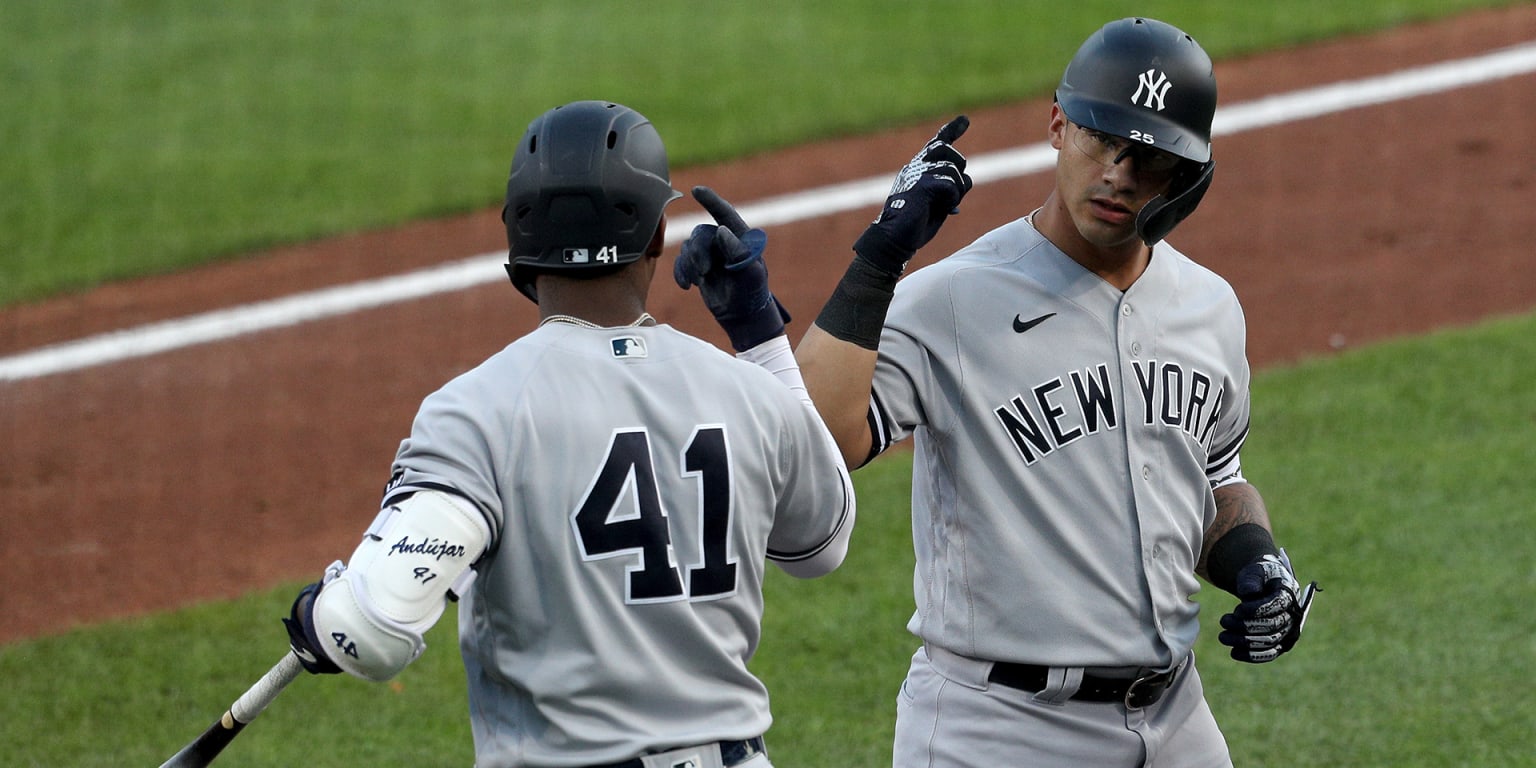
[[1056, 129], [657, 240]]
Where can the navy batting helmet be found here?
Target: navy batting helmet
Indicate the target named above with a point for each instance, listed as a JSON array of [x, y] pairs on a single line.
[[1147, 81], [585, 196]]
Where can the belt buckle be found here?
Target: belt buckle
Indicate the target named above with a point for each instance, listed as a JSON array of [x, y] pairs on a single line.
[[734, 753], [1131, 699]]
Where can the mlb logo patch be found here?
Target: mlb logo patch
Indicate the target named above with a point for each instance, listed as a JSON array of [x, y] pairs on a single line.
[[628, 347], [607, 254], [691, 762]]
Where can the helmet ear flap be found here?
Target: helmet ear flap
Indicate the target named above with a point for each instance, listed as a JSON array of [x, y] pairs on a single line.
[[521, 278], [1162, 213]]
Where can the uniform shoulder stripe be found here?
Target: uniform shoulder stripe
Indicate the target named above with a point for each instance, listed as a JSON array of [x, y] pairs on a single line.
[[1225, 453]]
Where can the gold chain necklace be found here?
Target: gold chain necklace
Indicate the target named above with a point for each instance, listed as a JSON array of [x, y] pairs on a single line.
[[644, 319]]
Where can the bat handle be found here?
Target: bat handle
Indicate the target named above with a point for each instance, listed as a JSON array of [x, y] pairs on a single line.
[[253, 701], [203, 749]]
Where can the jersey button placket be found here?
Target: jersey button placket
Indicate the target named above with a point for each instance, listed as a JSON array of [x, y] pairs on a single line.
[[1125, 312]]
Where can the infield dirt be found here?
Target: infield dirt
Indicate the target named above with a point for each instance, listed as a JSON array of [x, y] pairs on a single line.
[[203, 473]]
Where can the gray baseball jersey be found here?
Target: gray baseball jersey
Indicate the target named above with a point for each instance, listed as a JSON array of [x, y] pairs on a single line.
[[1067, 438], [633, 480]]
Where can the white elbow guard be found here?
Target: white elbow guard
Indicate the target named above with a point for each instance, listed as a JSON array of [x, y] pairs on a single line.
[[371, 614]]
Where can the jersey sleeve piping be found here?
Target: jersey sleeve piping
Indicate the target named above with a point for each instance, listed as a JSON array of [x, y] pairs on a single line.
[[879, 427], [842, 520], [1223, 456], [401, 493]]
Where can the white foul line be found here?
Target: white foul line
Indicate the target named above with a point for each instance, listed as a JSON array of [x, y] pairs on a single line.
[[799, 206]]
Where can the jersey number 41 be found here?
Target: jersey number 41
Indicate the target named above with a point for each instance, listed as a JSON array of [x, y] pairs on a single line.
[[629, 472]]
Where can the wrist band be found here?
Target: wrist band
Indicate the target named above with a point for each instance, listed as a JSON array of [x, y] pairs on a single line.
[[856, 311], [1239, 547]]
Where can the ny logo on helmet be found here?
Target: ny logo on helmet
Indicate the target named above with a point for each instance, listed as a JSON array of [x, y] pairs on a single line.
[[1156, 86]]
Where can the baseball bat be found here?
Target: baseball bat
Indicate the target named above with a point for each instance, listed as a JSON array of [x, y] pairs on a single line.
[[203, 749]]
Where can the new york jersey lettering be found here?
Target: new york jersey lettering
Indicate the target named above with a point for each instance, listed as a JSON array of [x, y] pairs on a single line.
[[1063, 410], [1050, 418]]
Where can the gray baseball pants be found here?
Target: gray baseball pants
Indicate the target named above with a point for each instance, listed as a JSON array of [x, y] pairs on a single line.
[[949, 716]]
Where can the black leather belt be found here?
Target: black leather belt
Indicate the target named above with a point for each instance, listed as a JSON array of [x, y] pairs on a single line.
[[1133, 692], [731, 753]]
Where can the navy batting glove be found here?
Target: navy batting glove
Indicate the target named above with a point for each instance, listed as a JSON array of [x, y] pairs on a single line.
[[1268, 621], [725, 260], [301, 633], [927, 190]]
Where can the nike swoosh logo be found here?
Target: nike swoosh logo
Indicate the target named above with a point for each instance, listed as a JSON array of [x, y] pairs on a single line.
[[1021, 325]]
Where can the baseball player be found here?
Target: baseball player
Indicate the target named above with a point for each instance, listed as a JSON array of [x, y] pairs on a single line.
[[1077, 391], [601, 495]]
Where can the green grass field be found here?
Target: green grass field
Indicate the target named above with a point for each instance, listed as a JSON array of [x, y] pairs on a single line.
[[149, 136], [1409, 504]]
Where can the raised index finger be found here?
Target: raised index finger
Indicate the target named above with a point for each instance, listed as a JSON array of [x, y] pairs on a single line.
[[725, 215], [954, 129]]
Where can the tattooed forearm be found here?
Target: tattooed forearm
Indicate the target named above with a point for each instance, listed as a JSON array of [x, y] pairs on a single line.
[[1236, 504]]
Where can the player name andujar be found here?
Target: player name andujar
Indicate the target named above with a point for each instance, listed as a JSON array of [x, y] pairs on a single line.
[[435, 548]]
